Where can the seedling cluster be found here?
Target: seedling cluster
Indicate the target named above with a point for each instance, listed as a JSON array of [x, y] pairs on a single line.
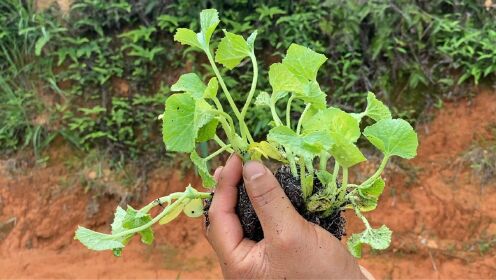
[[322, 135]]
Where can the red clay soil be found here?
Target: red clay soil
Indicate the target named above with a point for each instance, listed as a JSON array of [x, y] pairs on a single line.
[[443, 219]]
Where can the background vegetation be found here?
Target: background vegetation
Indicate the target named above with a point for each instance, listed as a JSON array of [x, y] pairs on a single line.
[[98, 75]]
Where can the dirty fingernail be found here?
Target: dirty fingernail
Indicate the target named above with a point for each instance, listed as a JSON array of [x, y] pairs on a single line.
[[253, 170]]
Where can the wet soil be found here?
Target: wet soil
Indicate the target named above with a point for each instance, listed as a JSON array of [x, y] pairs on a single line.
[[252, 229]]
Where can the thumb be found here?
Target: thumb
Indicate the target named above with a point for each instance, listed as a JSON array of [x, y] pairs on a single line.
[[274, 210]]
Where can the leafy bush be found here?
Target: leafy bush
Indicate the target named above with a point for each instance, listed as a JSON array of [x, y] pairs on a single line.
[[407, 52]]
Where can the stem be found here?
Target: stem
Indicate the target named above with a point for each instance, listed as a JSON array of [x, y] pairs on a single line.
[[288, 111], [344, 187], [302, 179], [222, 144], [189, 193], [253, 86], [298, 127], [333, 187], [218, 152], [292, 162], [276, 118], [324, 157], [377, 173], [222, 84], [362, 217]]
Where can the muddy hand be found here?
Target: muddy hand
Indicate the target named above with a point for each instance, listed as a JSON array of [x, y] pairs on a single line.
[[291, 248]]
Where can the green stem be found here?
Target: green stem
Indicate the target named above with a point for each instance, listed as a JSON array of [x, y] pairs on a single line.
[[189, 193], [344, 187], [324, 157], [377, 173], [362, 217], [222, 144], [218, 152], [298, 127], [276, 118], [288, 111], [223, 85], [253, 85]]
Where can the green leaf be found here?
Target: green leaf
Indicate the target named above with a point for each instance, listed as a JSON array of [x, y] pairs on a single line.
[[394, 137], [263, 99], [376, 110], [188, 37], [190, 83], [194, 208], [232, 50], [345, 153], [212, 89], [303, 62], [97, 241], [207, 131], [378, 239], [40, 43], [366, 204], [374, 189], [313, 94], [209, 19], [134, 219], [207, 179], [281, 79], [308, 146], [355, 245], [336, 121], [251, 40], [117, 225], [182, 120], [324, 177]]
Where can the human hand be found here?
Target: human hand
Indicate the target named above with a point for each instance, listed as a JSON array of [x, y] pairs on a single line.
[[292, 247]]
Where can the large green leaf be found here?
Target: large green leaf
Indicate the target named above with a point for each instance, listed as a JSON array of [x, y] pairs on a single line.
[[394, 137], [97, 241], [134, 219], [232, 50], [190, 83], [303, 62], [336, 121], [373, 189], [345, 153], [183, 118], [281, 79], [312, 94], [376, 110], [378, 239], [308, 146]]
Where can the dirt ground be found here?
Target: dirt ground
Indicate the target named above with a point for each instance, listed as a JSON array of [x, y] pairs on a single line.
[[442, 216]]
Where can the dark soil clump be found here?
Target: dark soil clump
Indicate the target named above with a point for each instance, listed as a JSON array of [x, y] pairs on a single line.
[[252, 228]]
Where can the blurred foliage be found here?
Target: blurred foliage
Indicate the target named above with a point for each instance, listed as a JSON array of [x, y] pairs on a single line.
[[97, 75]]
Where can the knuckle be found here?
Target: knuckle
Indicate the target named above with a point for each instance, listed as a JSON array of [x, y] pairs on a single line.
[[266, 196]]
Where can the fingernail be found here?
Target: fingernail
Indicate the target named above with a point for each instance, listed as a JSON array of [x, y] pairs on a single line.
[[217, 172], [253, 170], [229, 158]]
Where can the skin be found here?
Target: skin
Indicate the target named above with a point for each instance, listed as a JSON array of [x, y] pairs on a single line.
[[292, 247]]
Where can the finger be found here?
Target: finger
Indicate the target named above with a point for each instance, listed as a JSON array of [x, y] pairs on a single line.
[[274, 210], [224, 232], [217, 173]]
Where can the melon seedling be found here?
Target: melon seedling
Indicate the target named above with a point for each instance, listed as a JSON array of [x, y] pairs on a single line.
[[322, 136]]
